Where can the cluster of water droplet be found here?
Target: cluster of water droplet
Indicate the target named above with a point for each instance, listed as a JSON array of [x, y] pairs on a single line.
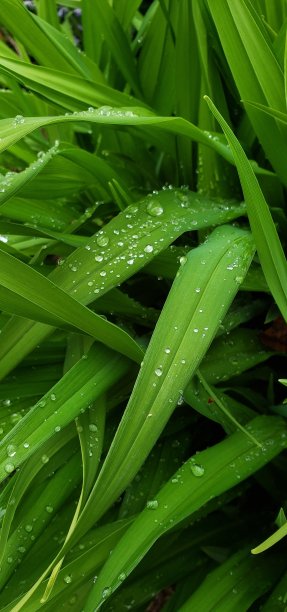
[[104, 111]]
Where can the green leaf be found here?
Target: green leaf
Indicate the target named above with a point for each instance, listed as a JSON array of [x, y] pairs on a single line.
[[26, 292], [76, 390], [267, 242], [13, 182], [273, 539], [45, 43], [117, 42], [72, 92], [188, 490], [236, 584], [251, 59], [160, 219], [169, 361]]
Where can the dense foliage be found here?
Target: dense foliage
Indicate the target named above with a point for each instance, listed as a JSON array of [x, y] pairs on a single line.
[[143, 287]]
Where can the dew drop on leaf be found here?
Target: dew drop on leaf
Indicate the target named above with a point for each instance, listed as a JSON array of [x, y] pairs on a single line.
[[152, 504], [9, 468], [102, 240], [18, 120], [11, 450], [154, 209], [106, 592], [68, 579], [197, 469], [158, 371]]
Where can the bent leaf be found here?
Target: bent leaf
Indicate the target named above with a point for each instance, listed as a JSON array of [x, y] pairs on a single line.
[[265, 235]]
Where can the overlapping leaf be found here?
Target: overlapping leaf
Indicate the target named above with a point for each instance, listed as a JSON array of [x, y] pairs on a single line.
[[186, 492]]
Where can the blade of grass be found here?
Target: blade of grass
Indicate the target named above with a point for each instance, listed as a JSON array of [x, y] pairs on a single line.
[[75, 391], [27, 290], [267, 242], [168, 361], [209, 472], [128, 115], [235, 585], [12, 183], [160, 219]]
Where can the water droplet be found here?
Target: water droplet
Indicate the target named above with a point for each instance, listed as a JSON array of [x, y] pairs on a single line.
[[7, 402], [28, 528], [197, 470], [93, 427], [57, 428], [130, 262], [196, 330], [9, 468], [122, 576], [26, 444], [239, 280], [132, 210], [182, 260], [49, 509], [148, 248], [167, 350], [68, 579], [152, 504], [102, 240], [106, 592], [158, 371], [53, 397], [103, 273], [99, 258], [42, 403], [44, 458], [18, 120], [11, 450], [154, 209]]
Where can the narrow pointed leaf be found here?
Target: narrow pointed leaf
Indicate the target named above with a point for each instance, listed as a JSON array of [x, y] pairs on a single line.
[[55, 306], [86, 381], [181, 338], [110, 257], [187, 491], [12, 183], [266, 238], [273, 539]]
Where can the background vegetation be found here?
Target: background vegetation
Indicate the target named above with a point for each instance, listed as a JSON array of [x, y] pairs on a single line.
[[143, 297]]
